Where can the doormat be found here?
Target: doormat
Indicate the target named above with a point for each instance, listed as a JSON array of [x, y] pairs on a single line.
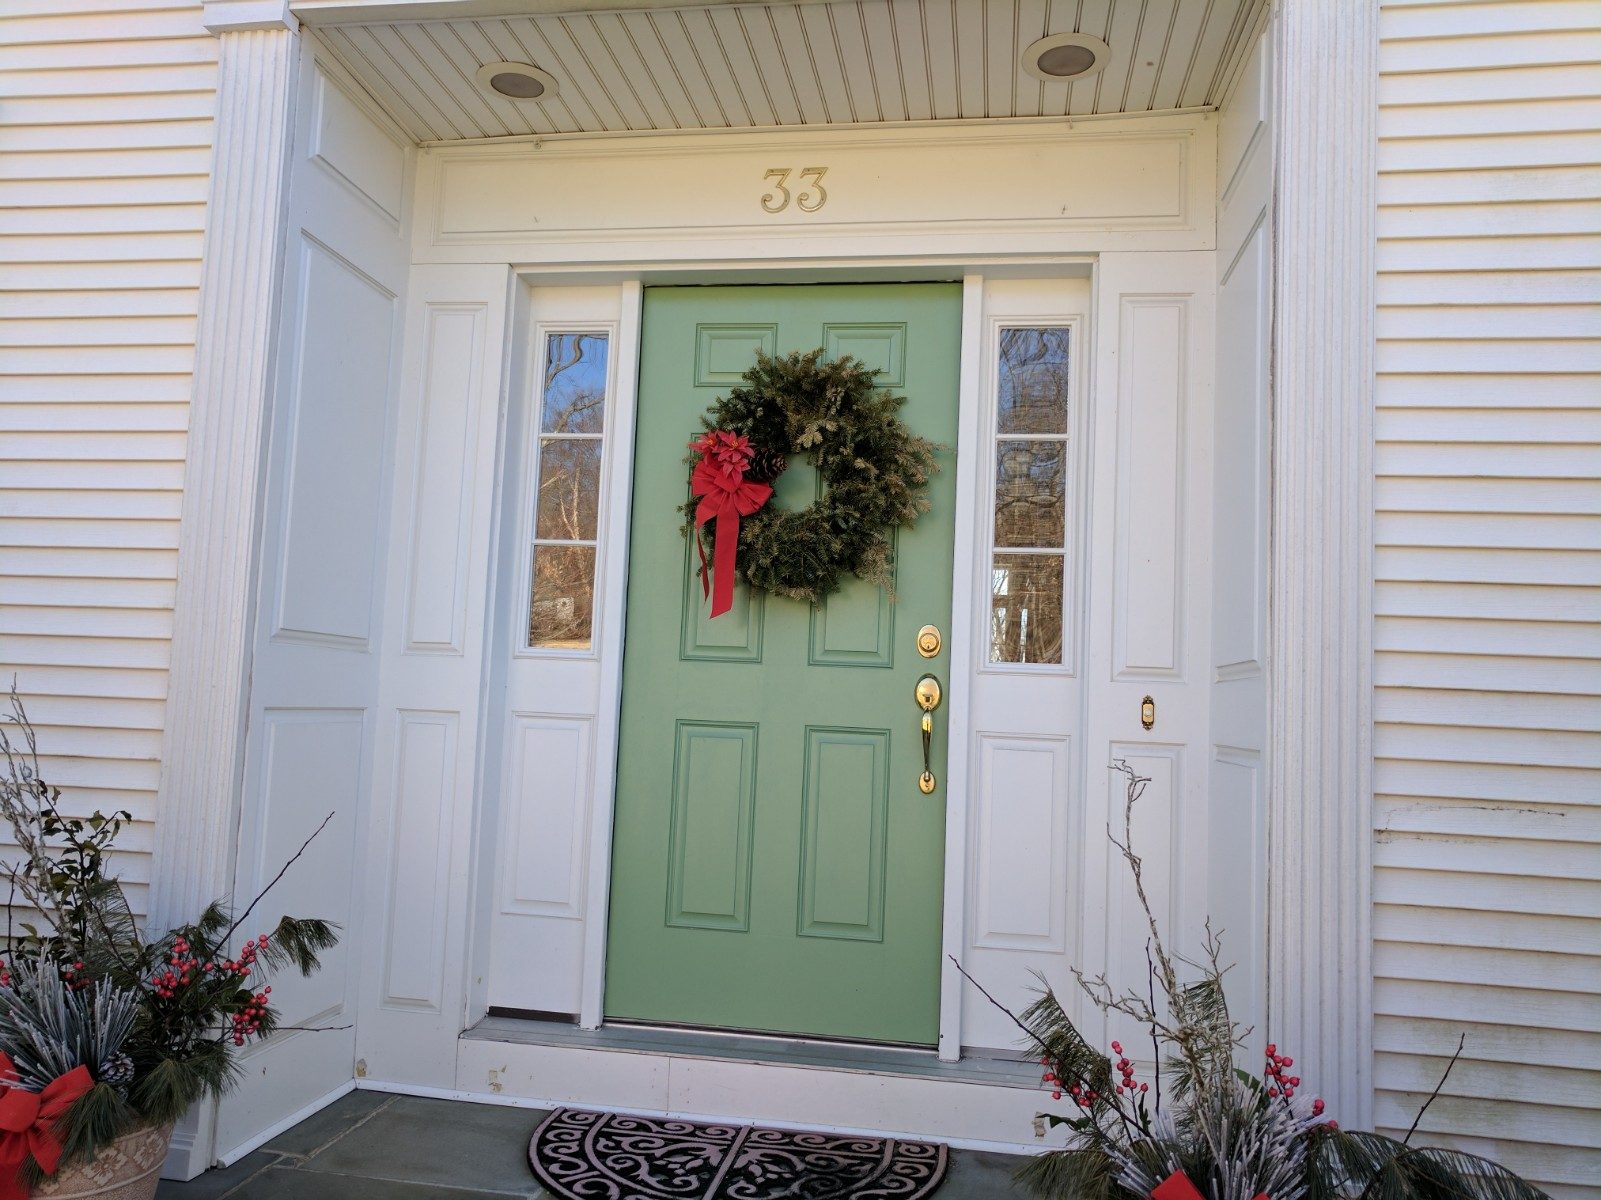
[[580, 1155]]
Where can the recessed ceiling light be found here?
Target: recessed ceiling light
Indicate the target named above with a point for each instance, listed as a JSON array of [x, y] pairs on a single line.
[[516, 81], [1066, 57]]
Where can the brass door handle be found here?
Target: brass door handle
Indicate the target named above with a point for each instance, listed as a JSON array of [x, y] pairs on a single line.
[[927, 694]]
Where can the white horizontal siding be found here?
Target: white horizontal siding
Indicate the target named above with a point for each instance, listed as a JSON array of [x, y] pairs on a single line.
[[1487, 740], [105, 144]]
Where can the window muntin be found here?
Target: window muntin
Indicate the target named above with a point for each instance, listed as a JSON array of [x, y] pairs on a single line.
[[1032, 483], [567, 491]]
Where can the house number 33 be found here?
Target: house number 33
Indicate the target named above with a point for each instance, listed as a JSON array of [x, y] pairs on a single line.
[[808, 196]]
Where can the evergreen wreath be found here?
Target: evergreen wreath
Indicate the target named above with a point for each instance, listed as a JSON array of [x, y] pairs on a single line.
[[874, 472]]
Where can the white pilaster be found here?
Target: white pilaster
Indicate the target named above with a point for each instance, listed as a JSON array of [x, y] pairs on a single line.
[[202, 750], [1321, 603]]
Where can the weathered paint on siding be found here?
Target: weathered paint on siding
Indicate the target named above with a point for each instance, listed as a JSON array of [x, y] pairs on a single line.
[[1487, 859], [105, 144]]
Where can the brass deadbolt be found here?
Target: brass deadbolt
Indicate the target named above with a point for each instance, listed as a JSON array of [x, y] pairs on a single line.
[[928, 641]]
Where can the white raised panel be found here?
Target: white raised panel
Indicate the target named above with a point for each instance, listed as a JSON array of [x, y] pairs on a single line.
[[311, 768], [546, 799], [355, 148], [1243, 120], [1236, 898], [1020, 819], [340, 388], [441, 496], [1152, 388], [424, 792], [1239, 537], [1156, 834]]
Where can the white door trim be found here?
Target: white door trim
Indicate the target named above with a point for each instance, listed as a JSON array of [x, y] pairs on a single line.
[[612, 571]]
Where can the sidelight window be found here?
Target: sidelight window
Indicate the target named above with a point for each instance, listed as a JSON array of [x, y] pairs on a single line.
[[567, 490], [1033, 462]]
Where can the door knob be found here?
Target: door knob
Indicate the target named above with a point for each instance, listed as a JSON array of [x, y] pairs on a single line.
[[927, 694]]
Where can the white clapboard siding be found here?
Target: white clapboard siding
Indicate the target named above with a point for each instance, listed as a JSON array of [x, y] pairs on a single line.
[[1487, 858], [105, 144]]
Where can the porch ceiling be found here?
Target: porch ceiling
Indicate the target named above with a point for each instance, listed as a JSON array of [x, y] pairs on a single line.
[[757, 65]]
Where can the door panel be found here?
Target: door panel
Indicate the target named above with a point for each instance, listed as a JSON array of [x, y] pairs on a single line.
[[775, 866]]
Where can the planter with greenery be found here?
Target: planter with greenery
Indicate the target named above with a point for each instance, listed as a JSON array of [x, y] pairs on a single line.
[[110, 1032], [1197, 1127]]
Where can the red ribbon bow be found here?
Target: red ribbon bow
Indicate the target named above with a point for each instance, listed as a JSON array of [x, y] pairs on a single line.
[[1177, 1186], [28, 1124], [725, 494]]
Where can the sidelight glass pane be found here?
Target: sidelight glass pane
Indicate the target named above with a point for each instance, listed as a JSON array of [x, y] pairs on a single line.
[[1034, 379], [562, 613], [574, 393], [1026, 608], [569, 489], [1030, 494]]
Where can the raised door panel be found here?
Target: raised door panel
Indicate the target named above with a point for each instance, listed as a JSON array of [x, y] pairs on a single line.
[[713, 818], [845, 814]]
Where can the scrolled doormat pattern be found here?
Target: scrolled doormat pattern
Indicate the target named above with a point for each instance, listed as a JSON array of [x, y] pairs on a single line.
[[580, 1155]]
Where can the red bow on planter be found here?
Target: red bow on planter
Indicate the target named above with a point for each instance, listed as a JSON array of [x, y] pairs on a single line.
[[1177, 1186], [28, 1124], [719, 480]]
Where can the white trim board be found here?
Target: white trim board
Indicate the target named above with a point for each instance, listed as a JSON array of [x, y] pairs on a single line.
[[966, 1114], [1028, 187]]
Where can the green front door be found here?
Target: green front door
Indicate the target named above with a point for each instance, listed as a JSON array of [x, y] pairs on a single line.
[[774, 865]]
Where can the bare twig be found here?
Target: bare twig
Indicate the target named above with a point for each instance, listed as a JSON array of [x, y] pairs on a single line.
[[282, 871], [1463, 1041]]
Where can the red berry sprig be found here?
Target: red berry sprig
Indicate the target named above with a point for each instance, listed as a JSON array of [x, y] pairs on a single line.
[[1281, 1083], [1125, 1068], [247, 1021]]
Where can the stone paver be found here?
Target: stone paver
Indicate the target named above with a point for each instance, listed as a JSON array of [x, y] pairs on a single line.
[[376, 1146]]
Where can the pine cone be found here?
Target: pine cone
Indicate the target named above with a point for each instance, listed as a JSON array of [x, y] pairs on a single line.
[[766, 465], [117, 1071]]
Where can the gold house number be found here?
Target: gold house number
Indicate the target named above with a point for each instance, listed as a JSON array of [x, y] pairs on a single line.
[[809, 197]]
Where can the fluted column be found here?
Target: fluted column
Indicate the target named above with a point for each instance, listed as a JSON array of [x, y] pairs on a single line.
[[203, 746], [1321, 605]]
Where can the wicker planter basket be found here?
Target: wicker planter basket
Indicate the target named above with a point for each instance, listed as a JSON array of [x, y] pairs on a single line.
[[128, 1169]]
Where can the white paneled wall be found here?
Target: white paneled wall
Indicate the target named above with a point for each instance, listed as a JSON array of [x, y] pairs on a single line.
[[1487, 851], [1237, 897], [105, 145]]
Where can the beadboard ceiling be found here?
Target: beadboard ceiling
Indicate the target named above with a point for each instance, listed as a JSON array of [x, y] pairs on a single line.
[[755, 65]]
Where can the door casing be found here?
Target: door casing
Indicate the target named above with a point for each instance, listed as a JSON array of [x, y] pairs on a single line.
[[969, 540]]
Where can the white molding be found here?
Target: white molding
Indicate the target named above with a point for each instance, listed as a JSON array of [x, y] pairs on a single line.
[[519, 201], [1321, 572], [241, 16], [613, 570], [287, 1123], [958, 772], [202, 751]]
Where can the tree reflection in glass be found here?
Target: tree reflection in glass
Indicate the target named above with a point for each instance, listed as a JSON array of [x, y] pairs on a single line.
[[1032, 467], [567, 505]]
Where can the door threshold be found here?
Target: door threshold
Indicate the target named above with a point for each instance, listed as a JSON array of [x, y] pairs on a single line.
[[979, 1067]]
